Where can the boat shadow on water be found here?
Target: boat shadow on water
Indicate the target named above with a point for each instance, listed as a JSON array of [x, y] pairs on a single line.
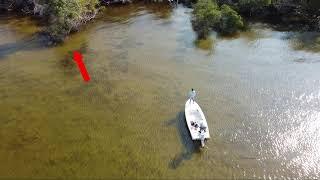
[[190, 147]]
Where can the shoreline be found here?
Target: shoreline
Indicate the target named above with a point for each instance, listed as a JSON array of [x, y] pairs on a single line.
[[283, 17]]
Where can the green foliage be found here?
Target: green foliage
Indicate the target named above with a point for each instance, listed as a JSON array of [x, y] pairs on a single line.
[[71, 8], [64, 14], [230, 21], [207, 15], [64, 8], [59, 29]]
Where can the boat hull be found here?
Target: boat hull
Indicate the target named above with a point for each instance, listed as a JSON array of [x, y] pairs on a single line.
[[196, 121]]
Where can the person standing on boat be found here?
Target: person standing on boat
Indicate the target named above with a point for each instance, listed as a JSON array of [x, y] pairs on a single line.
[[192, 95]]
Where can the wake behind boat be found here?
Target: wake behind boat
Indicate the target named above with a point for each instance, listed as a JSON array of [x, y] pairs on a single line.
[[196, 122]]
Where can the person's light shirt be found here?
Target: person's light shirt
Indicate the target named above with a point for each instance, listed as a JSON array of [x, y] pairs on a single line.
[[192, 94]]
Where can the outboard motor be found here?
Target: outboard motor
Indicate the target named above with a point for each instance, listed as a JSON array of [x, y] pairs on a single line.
[[202, 134], [202, 141], [202, 138]]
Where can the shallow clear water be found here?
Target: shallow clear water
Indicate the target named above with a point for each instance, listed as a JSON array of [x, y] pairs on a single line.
[[260, 92]]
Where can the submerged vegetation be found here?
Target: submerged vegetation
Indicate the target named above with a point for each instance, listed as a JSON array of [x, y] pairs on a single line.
[[205, 44]]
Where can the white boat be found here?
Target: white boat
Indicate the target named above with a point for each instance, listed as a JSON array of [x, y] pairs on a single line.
[[196, 122]]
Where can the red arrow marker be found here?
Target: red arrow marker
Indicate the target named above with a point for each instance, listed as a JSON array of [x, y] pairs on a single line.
[[77, 57]]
